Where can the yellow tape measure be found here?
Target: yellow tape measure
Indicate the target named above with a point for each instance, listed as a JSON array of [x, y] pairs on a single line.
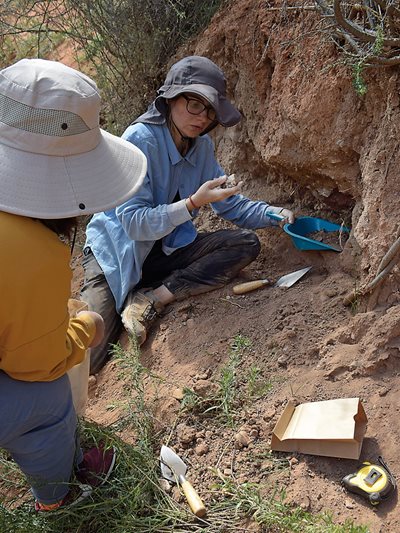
[[373, 481]]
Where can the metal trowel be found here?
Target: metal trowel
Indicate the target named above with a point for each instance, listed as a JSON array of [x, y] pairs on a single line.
[[285, 281], [174, 469]]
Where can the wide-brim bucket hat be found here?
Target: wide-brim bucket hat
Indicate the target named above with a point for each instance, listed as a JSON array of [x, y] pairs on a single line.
[[198, 75], [55, 160]]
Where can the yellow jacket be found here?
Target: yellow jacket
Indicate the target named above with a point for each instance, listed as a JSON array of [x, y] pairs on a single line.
[[38, 341]]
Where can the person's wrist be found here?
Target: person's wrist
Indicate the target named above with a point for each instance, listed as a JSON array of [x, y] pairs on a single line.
[[194, 204]]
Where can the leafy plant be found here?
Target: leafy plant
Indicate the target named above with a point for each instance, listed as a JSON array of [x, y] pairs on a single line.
[[226, 395], [257, 385], [124, 44], [273, 513]]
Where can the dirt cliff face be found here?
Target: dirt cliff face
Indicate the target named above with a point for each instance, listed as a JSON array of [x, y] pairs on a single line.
[[306, 134]]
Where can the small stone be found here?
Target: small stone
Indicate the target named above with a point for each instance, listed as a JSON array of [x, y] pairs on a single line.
[[305, 503], [242, 439], [203, 387], [176, 494], [185, 433], [283, 360], [266, 466], [165, 485], [190, 323], [293, 461], [163, 327], [349, 504], [92, 382], [254, 433], [202, 449], [330, 292], [178, 394], [269, 413]]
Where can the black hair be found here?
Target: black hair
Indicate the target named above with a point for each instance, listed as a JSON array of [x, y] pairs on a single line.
[[64, 227]]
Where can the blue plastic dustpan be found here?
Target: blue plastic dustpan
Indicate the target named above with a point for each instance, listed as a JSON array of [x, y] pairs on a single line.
[[303, 226]]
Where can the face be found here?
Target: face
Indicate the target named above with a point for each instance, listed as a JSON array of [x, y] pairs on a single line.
[[189, 124]]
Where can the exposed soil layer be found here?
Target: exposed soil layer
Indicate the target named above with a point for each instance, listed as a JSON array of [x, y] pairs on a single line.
[[309, 143], [307, 346]]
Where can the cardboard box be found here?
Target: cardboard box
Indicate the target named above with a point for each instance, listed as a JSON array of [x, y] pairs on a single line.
[[334, 428]]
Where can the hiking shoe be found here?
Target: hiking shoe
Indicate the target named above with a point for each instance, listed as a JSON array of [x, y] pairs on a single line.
[[77, 494], [93, 471], [139, 313], [96, 466]]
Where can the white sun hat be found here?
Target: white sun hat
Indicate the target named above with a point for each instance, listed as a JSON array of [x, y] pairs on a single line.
[[55, 161]]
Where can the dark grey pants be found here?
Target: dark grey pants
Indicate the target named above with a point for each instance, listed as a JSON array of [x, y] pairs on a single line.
[[208, 263]]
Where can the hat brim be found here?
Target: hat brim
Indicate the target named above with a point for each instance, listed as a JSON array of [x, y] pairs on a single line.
[[42, 186], [227, 114]]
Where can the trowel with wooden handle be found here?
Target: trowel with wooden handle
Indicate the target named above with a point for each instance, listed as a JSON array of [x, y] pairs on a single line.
[[285, 281], [174, 469]]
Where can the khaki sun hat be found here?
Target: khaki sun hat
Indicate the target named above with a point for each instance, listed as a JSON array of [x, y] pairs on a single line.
[[55, 161]]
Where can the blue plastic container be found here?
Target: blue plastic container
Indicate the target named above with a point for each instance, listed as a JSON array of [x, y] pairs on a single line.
[[303, 226]]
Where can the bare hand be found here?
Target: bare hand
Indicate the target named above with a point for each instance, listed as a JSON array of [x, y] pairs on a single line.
[[99, 322], [211, 191]]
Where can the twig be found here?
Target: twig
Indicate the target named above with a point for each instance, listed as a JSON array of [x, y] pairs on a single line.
[[223, 452], [233, 303]]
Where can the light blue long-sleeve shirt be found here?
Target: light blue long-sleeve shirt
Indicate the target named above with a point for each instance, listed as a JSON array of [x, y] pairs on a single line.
[[121, 238]]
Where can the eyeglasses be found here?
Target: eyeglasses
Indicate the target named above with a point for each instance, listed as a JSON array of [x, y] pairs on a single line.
[[195, 107]]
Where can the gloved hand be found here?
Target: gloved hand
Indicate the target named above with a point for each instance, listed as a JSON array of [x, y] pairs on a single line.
[[286, 214]]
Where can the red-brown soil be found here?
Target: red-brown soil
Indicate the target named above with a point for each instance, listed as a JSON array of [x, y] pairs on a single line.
[[306, 142]]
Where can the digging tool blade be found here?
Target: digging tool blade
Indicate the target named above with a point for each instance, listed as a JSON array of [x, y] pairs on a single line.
[[285, 281], [290, 279], [174, 469]]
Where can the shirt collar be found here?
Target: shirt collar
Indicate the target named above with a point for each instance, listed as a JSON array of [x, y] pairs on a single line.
[[174, 156]]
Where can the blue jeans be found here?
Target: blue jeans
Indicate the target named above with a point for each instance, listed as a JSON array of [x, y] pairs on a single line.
[[208, 263], [38, 428]]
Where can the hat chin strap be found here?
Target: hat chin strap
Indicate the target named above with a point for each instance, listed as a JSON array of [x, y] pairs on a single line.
[[184, 138]]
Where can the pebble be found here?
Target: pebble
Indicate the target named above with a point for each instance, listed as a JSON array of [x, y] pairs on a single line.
[[92, 382], [203, 387], [185, 433], [266, 466], [176, 494], [165, 485], [202, 449], [178, 394], [242, 439], [305, 503], [283, 360], [349, 504], [330, 292], [269, 413], [190, 323]]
